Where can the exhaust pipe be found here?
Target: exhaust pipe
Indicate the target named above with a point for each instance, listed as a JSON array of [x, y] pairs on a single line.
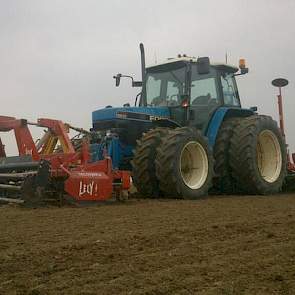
[[143, 101]]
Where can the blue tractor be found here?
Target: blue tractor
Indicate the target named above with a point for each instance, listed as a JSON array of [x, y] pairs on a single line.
[[187, 133]]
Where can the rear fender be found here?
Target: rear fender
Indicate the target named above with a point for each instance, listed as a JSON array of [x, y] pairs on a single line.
[[219, 116]]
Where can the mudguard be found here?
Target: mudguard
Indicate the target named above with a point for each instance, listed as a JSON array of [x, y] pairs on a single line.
[[219, 116]]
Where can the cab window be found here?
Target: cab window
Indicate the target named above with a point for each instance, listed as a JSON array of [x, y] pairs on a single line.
[[230, 94], [174, 90], [153, 89], [203, 91], [205, 96], [165, 88]]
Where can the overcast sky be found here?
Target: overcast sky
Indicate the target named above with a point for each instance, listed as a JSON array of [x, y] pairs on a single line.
[[57, 57]]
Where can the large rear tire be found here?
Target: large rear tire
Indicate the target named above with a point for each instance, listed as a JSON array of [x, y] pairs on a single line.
[[258, 156], [223, 181], [184, 164], [143, 163]]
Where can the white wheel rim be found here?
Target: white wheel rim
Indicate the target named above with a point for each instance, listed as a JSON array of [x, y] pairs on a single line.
[[193, 165], [269, 156]]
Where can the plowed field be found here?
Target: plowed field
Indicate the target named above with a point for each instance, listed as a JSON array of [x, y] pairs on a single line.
[[219, 245]]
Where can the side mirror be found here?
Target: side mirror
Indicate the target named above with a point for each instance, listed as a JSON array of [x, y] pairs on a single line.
[[244, 71], [118, 79], [203, 65]]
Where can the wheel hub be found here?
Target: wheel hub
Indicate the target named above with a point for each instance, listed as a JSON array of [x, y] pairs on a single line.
[[269, 156], [194, 165]]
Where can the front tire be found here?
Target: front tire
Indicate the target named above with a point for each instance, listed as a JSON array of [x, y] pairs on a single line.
[[184, 164], [143, 163], [258, 156]]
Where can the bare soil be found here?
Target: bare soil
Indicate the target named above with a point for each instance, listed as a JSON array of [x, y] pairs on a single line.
[[219, 245]]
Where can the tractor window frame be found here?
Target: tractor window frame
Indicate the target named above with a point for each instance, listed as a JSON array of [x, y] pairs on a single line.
[[236, 91], [173, 70], [214, 74]]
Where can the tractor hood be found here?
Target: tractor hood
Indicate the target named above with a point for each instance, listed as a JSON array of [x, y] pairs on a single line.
[[130, 113]]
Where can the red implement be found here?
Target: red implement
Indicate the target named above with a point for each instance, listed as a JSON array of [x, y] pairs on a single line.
[[2, 150], [24, 140], [96, 181], [82, 180]]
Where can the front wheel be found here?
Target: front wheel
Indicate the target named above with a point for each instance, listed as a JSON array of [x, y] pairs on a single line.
[[184, 164], [143, 164]]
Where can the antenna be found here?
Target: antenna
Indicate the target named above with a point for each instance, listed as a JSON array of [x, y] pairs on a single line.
[[226, 56], [155, 55]]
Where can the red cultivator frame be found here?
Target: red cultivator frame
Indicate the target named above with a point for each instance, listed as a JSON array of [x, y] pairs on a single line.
[[54, 166]]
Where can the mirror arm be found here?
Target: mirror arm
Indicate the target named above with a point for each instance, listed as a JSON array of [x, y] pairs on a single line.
[[126, 76], [134, 83]]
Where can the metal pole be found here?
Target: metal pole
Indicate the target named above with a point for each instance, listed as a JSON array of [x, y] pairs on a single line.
[[282, 125], [281, 113], [281, 82]]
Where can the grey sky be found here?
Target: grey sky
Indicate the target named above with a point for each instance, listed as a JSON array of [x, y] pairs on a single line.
[[57, 57]]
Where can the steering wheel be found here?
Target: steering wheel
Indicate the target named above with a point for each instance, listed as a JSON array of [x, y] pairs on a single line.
[[157, 101], [173, 102]]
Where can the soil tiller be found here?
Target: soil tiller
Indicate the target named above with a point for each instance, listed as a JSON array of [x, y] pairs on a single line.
[[56, 166]]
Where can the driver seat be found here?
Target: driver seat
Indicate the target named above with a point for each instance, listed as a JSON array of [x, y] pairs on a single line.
[[202, 100]]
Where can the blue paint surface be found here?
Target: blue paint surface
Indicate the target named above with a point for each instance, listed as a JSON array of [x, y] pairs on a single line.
[[111, 113], [114, 148], [215, 124], [218, 118], [96, 152], [118, 151]]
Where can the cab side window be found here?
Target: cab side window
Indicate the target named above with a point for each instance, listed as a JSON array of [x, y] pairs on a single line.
[[203, 91], [230, 94], [153, 86], [173, 93]]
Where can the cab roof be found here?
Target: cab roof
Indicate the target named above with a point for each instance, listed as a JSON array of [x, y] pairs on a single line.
[[179, 62]]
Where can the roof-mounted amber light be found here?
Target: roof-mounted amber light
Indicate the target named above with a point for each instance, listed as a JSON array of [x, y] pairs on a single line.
[[243, 69], [242, 63]]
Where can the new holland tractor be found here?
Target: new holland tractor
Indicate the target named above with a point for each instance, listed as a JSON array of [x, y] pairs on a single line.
[[187, 132]]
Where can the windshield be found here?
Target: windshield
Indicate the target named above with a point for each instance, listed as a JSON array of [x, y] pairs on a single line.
[[165, 88]]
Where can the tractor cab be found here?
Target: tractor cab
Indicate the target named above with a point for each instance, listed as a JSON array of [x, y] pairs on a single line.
[[192, 89]]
